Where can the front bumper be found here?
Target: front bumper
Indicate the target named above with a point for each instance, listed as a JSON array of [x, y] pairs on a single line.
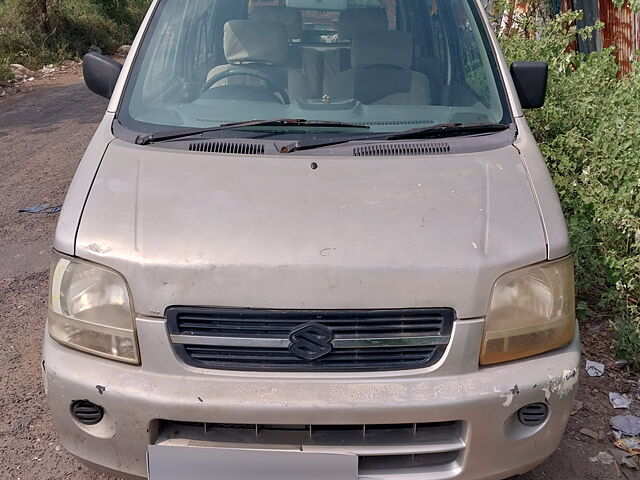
[[139, 400]]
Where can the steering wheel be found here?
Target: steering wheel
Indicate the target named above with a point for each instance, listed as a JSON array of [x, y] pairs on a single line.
[[250, 72]]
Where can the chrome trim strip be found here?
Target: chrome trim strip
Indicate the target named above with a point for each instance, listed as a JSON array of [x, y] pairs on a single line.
[[370, 342], [390, 341], [231, 341]]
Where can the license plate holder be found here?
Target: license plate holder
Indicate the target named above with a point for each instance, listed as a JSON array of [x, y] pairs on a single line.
[[166, 462]]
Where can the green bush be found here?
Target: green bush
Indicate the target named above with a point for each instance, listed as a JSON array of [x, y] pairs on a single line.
[[5, 74], [37, 32], [589, 133]]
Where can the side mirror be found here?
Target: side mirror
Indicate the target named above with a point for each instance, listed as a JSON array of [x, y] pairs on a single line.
[[100, 73], [530, 79]]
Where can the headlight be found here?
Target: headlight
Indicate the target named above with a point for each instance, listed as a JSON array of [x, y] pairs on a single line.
[[532, 310], [90, 310]]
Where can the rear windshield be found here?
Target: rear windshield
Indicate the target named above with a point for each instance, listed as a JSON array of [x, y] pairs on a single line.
[[390, 65]]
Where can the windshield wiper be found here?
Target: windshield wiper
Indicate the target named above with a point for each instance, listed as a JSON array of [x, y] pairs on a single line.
[[433, 131], [276, 122], [448, 130]]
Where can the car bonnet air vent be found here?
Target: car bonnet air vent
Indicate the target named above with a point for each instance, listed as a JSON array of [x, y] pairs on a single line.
[[399, 149], [238, 148]]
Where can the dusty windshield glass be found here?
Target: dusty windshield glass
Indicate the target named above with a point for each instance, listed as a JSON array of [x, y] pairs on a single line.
[[389, 65]]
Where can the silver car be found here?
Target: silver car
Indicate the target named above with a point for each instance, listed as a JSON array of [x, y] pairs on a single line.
[[312, 239]]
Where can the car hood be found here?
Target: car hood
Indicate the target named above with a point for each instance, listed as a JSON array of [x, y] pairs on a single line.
[[203, 229]]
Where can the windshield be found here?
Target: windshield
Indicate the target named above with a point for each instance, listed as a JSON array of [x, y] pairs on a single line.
[[386, 65]]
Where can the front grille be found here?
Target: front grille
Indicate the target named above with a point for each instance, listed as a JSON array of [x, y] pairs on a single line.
[[348, 340], [379, 447]]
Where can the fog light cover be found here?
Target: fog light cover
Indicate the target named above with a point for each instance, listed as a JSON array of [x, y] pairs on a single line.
[[533, 415], [532, 310], [90, 310], [86, 412]]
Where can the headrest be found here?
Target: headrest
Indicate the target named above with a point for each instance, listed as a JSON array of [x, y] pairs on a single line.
[[291, 17], [354, 19], [255, 41], [382, 47]]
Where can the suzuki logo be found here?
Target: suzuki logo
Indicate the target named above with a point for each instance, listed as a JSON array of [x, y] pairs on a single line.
[[311, 341]]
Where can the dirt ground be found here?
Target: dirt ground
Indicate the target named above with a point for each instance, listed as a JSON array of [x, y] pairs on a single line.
[[43, 132]]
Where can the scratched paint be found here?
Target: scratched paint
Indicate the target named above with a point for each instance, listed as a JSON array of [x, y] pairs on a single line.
[[561, 386], [509, 396]]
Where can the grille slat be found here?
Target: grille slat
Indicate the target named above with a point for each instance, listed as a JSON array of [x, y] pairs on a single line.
[[287, 316], [278, 331], [343, 355], [256, 326], [287, 322]]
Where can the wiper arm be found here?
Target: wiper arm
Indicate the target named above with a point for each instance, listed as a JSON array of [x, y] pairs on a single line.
[[277, 122], [448, 129], [296, 122], [434, 131]]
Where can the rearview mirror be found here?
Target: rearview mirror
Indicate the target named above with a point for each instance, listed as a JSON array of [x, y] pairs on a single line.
[[100, 73], [318, 4], [530, 79]]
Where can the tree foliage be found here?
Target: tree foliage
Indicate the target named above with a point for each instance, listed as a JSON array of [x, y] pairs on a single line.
[[36, 32]]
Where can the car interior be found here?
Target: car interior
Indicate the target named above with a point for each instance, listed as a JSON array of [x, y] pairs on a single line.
[[270, 47]]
